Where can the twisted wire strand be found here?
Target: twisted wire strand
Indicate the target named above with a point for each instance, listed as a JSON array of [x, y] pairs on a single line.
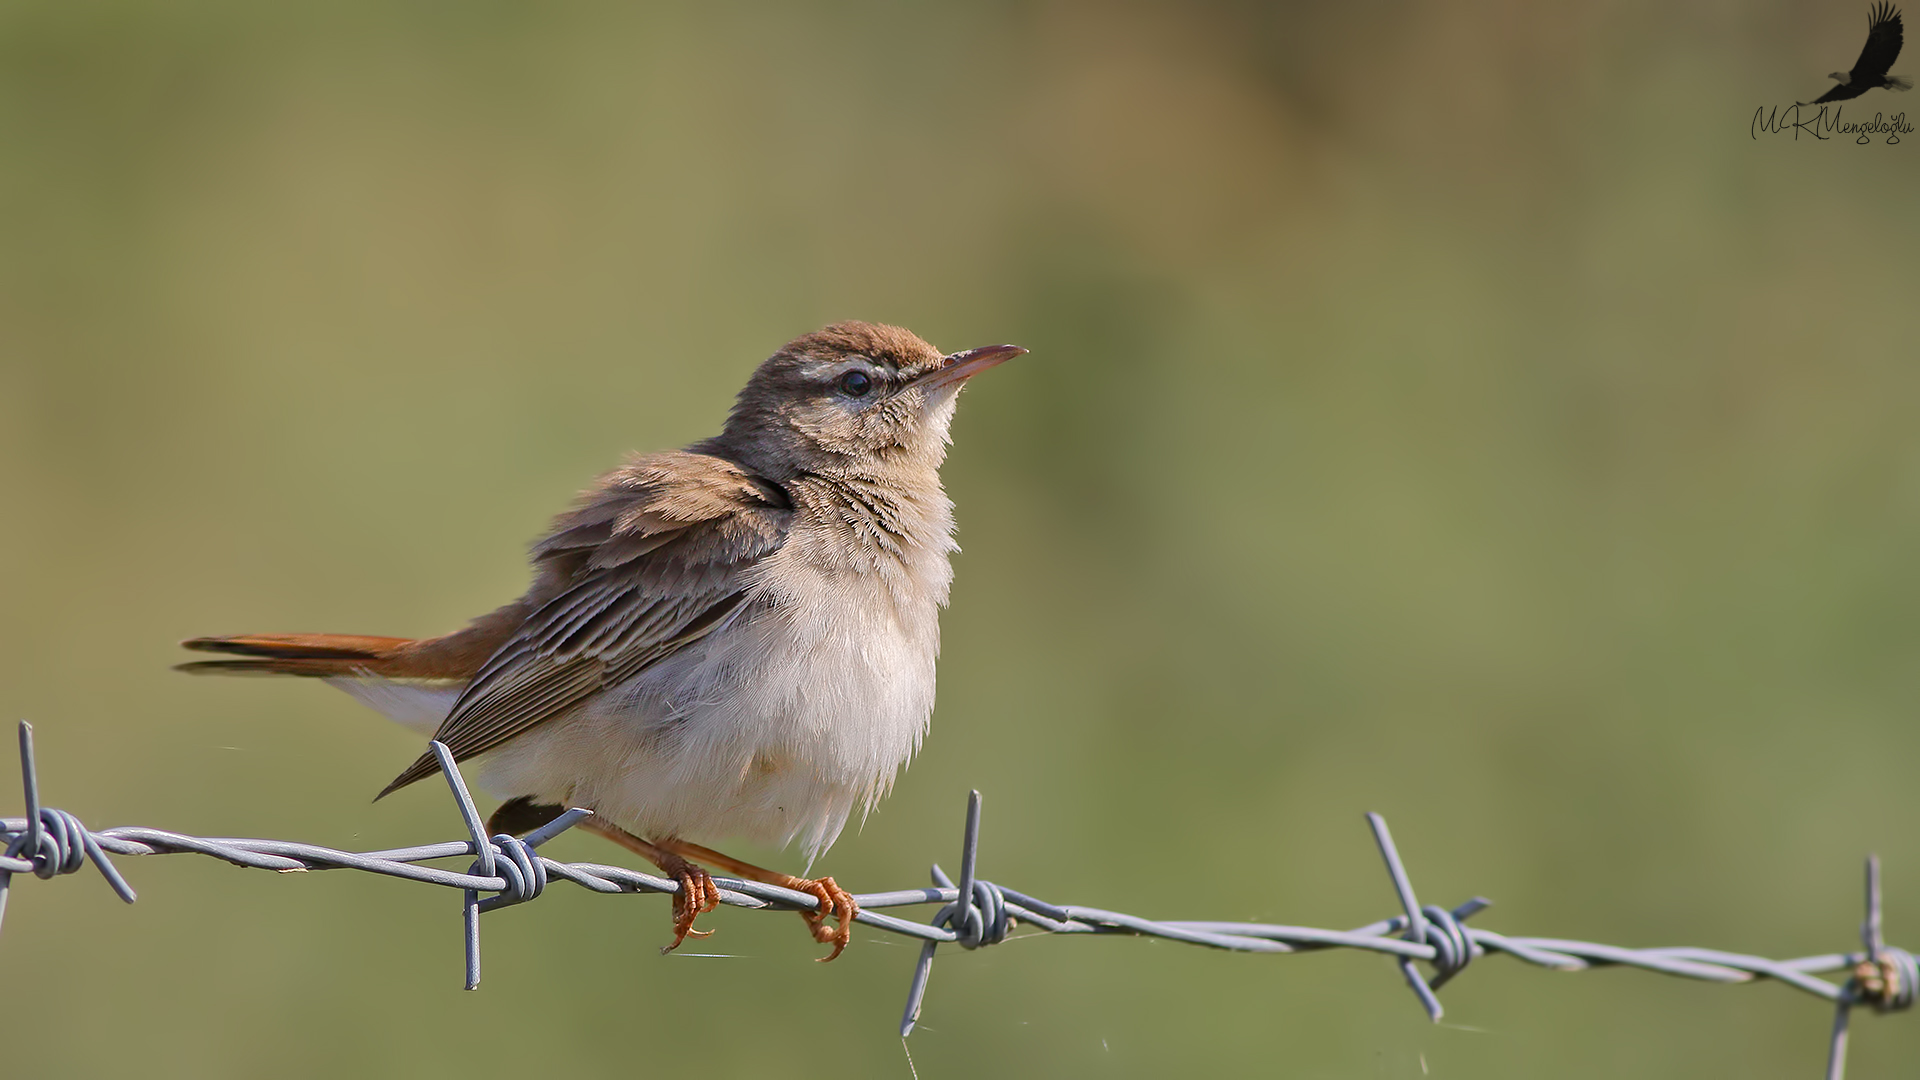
[[974, 913]]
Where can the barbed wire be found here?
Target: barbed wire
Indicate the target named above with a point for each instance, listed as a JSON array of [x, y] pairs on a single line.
[[506, 870]]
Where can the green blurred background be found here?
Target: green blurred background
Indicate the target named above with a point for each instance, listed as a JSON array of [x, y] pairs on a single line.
[[1444, 409]]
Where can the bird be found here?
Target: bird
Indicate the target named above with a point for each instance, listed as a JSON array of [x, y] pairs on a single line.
[[1884, 37], [732, 640]]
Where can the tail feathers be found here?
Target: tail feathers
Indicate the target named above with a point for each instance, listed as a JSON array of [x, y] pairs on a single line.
[[1899, 82], [311, 655]]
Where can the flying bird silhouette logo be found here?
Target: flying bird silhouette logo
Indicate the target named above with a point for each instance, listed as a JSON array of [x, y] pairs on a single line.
[[1884, 37]]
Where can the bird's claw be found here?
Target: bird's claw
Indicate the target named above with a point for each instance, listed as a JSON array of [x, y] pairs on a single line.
[[697, 896], [835, 903]]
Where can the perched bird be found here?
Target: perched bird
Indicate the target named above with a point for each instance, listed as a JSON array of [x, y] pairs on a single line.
[[732, 640], [1884, 37]]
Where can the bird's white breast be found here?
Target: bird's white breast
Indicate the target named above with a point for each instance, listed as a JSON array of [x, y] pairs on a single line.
[[777, 725]]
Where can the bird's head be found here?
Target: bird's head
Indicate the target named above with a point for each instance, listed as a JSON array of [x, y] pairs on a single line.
[[853, 397], [1841, 77]]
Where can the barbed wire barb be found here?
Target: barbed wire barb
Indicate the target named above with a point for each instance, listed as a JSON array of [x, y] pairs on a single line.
[[54, 841], [507, 870], [977, 916], [1432, 926]]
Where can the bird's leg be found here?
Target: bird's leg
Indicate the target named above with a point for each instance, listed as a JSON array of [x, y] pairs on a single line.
[[834, 900], [698, 894]]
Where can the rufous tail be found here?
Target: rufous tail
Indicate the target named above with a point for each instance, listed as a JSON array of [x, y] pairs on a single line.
[[312, 655], [455, 656]]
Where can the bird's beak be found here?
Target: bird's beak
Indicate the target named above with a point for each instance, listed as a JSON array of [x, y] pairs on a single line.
[[964, 365]]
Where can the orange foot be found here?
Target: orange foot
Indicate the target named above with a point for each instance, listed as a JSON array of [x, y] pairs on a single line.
[[698, 894], [835, 902]]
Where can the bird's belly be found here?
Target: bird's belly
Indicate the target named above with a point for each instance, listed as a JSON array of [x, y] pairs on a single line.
[[774, 727]]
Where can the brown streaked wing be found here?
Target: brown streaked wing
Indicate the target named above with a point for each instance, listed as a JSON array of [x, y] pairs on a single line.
[[666, 542]]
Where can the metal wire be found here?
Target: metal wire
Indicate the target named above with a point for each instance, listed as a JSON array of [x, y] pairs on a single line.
[[974, 913]]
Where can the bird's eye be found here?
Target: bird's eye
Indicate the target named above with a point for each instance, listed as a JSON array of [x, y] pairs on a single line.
[[855, 384]]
